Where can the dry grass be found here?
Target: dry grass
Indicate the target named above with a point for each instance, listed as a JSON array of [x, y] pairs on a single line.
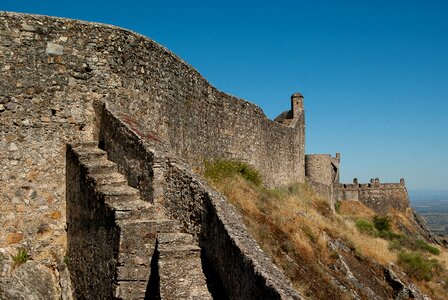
[[374, 248], [292, 225], [294, 222], [403, 219], [355, 209], [442, 257]]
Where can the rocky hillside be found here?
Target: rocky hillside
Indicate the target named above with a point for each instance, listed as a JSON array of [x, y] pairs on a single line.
[[350, 254]]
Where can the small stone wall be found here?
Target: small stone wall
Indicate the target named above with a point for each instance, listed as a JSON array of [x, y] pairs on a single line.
[[241, 267]]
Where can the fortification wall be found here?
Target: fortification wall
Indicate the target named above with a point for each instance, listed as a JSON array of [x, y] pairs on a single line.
[[52, 70], [381, 197], [237, 261]]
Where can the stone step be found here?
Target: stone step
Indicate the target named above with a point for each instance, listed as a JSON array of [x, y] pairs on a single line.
[[100, 166], [178, 251], [92, 153], [159, 225], [174, 239], [182, 279], [166, 225], [79, 146], [133, 210], [134, 272], [118, 201], [131, 289], [137, 242], [110, 179], [121, 190]]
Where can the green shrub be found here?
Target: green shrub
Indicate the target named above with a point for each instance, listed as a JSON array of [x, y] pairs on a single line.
[[381, 223], [365, 226], [395, 245], [221, 169], [21, 257], [398, 242], [422, 245], [418, 266], [337, 207], [389, 235]]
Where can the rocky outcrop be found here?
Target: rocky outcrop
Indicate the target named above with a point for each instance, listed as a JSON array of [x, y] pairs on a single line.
[[34, 281], [359, 278]]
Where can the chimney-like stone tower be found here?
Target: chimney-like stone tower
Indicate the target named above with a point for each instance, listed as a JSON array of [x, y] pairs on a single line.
[[296, 105]]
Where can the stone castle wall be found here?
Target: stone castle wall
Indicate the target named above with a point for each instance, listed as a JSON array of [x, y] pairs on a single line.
[[381, 197], [51, 72]]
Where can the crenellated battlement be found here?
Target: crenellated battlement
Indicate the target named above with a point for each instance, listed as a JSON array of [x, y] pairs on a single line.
[[377, 195], [373, 184]]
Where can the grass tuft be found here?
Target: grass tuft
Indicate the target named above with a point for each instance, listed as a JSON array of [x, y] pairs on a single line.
[[21, 257], [422, 245]]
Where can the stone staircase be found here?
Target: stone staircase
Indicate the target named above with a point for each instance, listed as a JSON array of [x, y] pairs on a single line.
[[179, 265]]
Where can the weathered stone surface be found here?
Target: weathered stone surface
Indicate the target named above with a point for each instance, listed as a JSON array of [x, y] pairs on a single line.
[[54, 49], [30, 281], [322, 174], [121, 266], [402, 290]]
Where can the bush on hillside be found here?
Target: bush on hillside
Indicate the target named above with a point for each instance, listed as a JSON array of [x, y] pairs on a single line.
[[422, 245], [381, 223], [365, 226], [221, 169], [418, 266], [401, 241]]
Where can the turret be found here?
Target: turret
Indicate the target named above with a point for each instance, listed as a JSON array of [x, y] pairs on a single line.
[[296, 105]]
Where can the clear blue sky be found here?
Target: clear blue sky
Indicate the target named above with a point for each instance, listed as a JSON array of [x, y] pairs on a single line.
[[374, 73]]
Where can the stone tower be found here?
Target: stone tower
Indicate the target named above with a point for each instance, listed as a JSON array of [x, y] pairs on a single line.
[[296, 105]]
